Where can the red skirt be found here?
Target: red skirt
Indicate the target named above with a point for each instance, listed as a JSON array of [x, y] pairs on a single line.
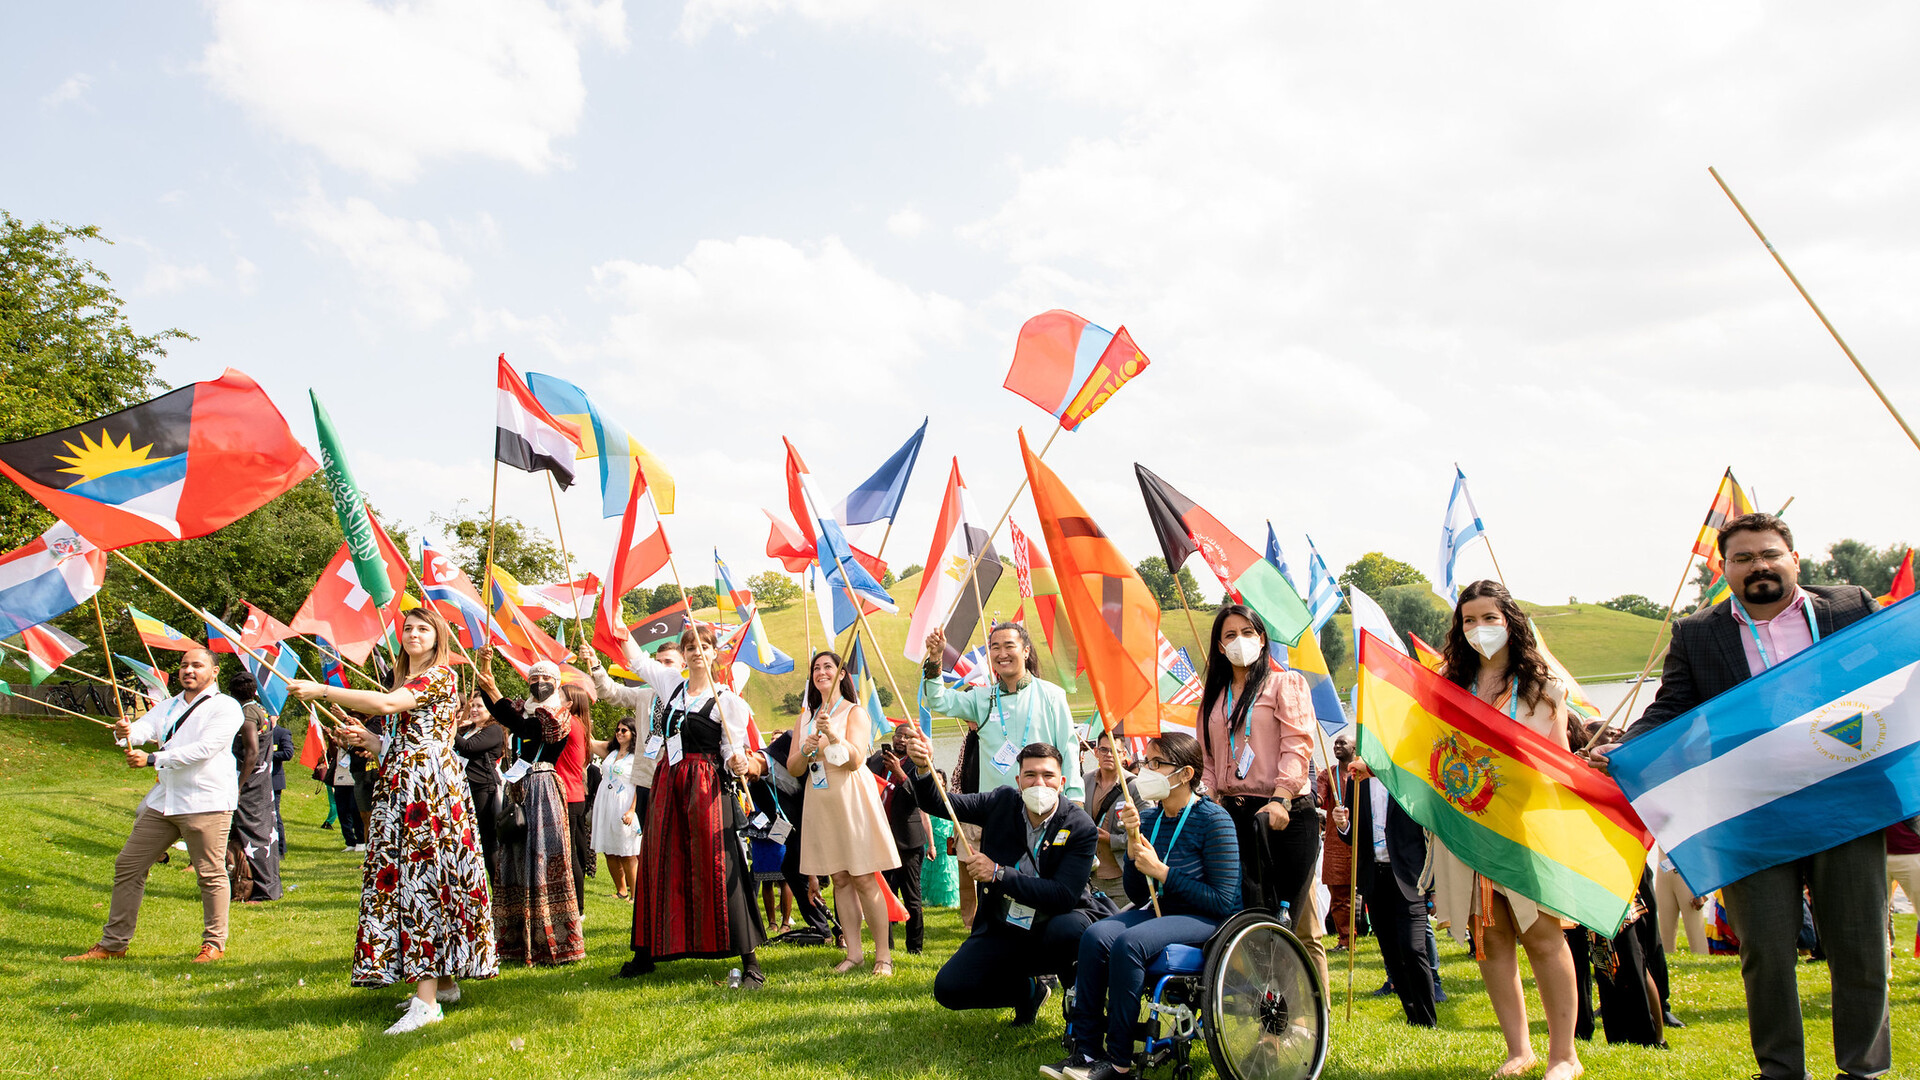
[[691, 901]]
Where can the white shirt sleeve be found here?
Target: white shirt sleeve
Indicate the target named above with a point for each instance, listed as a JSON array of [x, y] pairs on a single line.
[[209, 732], [734, 715], [662, 678]]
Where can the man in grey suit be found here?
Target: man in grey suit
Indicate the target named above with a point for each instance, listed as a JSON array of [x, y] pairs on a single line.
[[1770, 617]]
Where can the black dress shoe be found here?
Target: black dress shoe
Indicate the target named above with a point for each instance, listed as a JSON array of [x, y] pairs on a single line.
[[1026, 1014], [635, 968], [1672, 1021]]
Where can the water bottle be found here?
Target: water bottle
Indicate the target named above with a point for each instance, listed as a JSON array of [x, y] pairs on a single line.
[[733, 979]]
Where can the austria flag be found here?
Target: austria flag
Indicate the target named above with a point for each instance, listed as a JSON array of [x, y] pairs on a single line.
[[946, 589], [641, 553], [527, 436]]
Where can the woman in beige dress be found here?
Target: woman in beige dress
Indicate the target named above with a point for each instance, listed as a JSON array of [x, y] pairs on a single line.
[[1492, 652], [843, 831]]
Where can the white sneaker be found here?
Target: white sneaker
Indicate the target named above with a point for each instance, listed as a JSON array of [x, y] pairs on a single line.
[[419, 1015], [444, 997]]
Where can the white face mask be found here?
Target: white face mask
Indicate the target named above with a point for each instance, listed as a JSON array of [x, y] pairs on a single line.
[[1153, 786], [1040, 799], [1243, 650], [1487, 640]]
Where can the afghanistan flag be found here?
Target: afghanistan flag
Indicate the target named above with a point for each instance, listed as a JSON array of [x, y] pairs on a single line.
[[1184, 528], [1519, 810], [47, 647], [179, 466]]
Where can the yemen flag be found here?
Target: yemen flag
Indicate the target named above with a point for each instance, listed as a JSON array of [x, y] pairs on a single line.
[[641, 553], [1184, 528], [527, 436], [155, 634], [1519, 810], [1114, 616], [946, 589], [1070, 367], [1729, 502], [47, 648], [179, 466]]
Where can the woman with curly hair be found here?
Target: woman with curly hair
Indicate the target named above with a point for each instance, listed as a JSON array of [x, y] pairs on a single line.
[[425, 914]]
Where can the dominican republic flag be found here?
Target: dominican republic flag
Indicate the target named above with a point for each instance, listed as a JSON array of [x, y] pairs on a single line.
[[1070, 367], [948, 595], [49, 575], [1461, 527], [526, 435], [641, 553], [1819, 750], [179, 466], [47, 648]]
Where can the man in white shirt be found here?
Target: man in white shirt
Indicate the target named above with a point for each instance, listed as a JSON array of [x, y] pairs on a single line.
[[196, 789]]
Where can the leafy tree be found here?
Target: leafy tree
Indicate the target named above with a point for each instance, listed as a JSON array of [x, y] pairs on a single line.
[[1853, 562], [888, 581], [912, 570], [703, 596], [1333, 645], [1635, 604], [67, 353], [886, 696], [518, 548], [1417, 609], [773, 590], [791, 703], [1153, 571], [667, 594], [1375, 573]]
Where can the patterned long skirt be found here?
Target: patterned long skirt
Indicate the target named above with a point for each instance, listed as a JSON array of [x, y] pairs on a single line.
[[535, 910], [693, 899]]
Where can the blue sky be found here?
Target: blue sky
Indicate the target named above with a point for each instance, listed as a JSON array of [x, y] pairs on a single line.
[[1359, 245]]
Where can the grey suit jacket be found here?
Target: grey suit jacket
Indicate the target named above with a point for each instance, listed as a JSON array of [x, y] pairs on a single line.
[[1706, 657]]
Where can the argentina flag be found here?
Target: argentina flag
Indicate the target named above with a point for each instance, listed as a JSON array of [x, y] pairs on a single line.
[[1819, 750]]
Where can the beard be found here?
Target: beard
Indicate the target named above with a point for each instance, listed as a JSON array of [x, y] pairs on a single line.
[[1762, 587]]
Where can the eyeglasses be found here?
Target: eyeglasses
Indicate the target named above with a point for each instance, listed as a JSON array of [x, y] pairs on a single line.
[[1772, 556], [1160, 763]]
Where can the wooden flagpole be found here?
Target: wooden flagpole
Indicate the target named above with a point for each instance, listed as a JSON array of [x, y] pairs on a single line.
[[106, 655], [57, 708], [1202, 645], [566, 559], [1824, 321], [60, 667], [201, 614], [974, 563], [1626, 703], [486, 572], [148, 648]]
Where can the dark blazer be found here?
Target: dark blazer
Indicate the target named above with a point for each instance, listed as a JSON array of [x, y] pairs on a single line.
[[1406, 843], [282, 753], [903, 805], [1707, 657], [1065, 864]]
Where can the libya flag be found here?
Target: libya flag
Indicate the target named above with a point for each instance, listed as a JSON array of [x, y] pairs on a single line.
[[351, 509], [1184, 528]]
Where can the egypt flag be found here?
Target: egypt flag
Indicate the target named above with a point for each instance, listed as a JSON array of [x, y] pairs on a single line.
[[947, 591], [47, 648], [526, 435], [179, 466], [155, 634], [1184, 528], [1114, 616], [640, 554], [1070, 367], [49, 575], [1729, 502]]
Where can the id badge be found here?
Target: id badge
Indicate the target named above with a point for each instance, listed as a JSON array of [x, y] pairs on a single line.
[[780, 831], [652, 749], [758, 821], [1245, 763], [1019, 914], [674, 752], [1009, 755], [817, 776]]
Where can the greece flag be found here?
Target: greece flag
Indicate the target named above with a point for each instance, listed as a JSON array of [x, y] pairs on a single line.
[[1821, 749]]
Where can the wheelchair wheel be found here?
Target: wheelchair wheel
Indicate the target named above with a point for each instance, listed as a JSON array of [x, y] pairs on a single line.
[[1265, 1012]]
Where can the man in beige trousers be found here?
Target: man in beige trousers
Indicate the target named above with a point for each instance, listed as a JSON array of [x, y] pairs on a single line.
[[196, 789]]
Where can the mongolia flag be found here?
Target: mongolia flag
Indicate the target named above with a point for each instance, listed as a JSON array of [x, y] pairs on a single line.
[[1184, 528], [155, 634], [1820, 749], [47, 648], [950, 597], [52, 574], [601, 438], [526, 436], [1114, 616], [179, 466], [152, 678], [1522, 812], [640, 554], [1902, 582], [1729, 502], [1070, 367]]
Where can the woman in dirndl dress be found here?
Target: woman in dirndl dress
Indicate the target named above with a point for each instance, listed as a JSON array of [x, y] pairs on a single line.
[[425, 913]]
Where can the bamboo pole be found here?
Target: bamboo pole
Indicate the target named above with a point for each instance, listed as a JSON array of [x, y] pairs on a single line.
[[1824, 321], [1004, 515], [567, 560], [106, 655]]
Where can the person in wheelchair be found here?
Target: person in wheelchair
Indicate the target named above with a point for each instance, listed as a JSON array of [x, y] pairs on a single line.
[[1032, 865], [1184, 849]]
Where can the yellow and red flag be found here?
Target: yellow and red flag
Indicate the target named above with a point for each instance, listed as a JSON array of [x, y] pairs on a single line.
[[1114, 616], [1517, 808], [1729, 502], [1902, 583]]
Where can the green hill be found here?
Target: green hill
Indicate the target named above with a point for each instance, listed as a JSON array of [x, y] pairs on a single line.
[[1592, 641]]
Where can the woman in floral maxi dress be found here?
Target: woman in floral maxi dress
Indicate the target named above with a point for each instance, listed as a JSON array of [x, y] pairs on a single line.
[[426, 916]]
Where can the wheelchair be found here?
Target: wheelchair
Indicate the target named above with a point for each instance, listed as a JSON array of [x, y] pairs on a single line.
[[1251, 992]]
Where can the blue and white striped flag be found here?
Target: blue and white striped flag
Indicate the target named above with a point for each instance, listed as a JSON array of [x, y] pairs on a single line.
[[1279, 558], [1823, 748], [1323, 592], [1461, 528]]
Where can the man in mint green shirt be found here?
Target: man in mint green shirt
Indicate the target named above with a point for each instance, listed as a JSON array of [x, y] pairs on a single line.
[[1016, 709]]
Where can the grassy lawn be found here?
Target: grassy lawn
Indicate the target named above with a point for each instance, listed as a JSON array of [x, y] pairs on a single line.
[[280, 1004]]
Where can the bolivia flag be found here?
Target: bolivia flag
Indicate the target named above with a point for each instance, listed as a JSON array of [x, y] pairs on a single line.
[[1070, 367], [1519, 810], [47, 648], [1184, 528]]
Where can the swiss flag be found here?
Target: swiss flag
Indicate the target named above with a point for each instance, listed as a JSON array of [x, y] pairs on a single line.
[[339, 610]]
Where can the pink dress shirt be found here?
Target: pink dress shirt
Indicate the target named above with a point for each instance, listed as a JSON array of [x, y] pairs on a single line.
[[1281, 727], [1785, 634]]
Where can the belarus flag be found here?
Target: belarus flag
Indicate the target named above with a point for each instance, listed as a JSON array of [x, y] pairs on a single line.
[[527, 436], [48, 576], [641, 553], [947, 591]]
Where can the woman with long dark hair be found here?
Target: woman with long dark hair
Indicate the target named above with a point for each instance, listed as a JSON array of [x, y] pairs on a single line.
[[616, 826], [1491, 651], [425, 913], [1257, 737], [844, 831], [481, 743]]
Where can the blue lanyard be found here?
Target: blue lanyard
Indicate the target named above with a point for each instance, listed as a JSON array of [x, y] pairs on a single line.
[[1513, 697], [1000, 715], [1230, 753], [1154, 839], [1766, 661]]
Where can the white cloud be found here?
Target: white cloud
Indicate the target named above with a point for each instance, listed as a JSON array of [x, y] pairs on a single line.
[[401, 263], [385, 88], [906, 223], [165, 277], [245, 274], [71, 89]]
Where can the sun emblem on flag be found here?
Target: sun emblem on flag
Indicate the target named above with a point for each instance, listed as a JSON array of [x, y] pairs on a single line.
[[93, 460], [1463, 773]]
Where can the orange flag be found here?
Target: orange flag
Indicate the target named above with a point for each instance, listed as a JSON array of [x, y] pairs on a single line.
[[1115, 618]]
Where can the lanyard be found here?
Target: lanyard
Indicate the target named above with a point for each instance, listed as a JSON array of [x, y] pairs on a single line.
[[1000, 714], [1766, 661], [1230, 754], [1181, 823], [1513, 696]]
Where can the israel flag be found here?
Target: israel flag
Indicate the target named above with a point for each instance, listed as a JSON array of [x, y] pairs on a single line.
[[1461, 528], [1823, 748], [1323, 592]]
